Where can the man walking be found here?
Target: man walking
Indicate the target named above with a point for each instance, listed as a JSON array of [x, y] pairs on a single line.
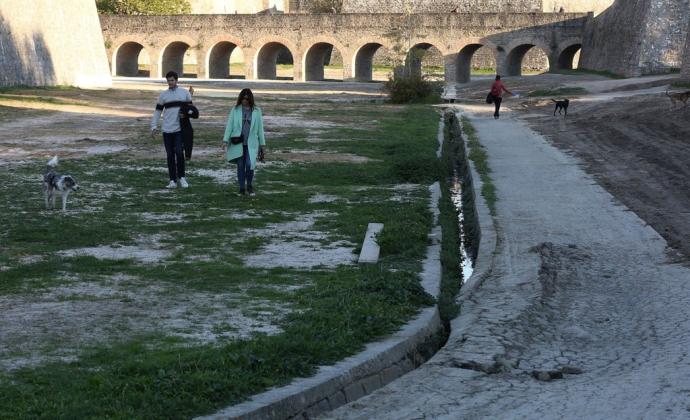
[[169, 103]]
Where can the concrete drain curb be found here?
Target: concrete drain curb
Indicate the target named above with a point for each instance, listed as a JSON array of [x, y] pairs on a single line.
[[363, 373], [484, 262], [486, 254]]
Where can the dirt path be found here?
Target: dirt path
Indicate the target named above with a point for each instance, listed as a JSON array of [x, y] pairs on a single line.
[[636, 146], [626, 134]]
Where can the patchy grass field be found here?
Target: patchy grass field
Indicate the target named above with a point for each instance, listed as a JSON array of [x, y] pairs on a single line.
[[143, 302]]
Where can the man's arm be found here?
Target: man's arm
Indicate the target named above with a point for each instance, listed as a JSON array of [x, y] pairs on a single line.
[[156, 116]]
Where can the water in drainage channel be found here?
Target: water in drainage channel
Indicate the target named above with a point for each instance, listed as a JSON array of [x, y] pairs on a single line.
[[467, 265]]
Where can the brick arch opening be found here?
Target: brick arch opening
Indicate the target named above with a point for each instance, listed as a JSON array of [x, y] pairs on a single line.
[[316, 57], [473, 57], [365, 59], [174, 57], [569, 57], [423, 55], [221, 58], [526, 57], [132, 60], [268, 58]]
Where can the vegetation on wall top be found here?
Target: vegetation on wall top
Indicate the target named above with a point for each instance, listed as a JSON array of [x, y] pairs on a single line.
[[143, 7]]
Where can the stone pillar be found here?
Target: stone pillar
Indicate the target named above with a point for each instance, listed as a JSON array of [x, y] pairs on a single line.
[[554, 60], [685, 69], [249, 63], [37, 50], [155, 66], [501, 61], [297, 69], [450, 63], [348, 66], [201, 65]]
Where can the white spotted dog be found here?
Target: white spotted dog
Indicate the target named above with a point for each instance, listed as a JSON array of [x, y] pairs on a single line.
[[54, 183]]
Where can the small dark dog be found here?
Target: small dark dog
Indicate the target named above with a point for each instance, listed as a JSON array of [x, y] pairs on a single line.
[[679, 97], [54, 183], [561, 105]]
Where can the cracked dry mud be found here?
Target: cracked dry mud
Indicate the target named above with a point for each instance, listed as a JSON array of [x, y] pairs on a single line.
[[585, 311]]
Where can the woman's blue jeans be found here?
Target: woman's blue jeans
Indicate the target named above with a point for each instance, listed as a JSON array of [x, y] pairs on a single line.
[[245, 174]]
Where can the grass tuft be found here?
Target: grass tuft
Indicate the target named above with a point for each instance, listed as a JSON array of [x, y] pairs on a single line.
[[478, 155]]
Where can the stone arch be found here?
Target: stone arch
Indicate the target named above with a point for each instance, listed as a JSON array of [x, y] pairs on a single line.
[[315, 58], [218, 58], [516, 53], [463, 62], [567, 52], [126, 58], [363, 60], [266, 58], [414, 58], [173, 54]]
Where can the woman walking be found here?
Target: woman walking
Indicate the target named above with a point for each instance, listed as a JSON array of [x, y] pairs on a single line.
[[243, 140], [497, 90]]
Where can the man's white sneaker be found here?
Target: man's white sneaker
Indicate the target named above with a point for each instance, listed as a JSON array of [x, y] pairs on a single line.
[[172, 184], [183, 183]]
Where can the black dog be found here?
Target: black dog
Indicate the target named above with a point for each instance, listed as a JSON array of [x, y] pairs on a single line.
[[561, 105]]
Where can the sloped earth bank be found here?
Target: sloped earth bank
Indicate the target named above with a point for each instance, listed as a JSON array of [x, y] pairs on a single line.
[[585, 313], [638, 149]]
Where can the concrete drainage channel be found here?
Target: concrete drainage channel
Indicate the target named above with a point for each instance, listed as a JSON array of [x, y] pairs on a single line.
[[386, 360]]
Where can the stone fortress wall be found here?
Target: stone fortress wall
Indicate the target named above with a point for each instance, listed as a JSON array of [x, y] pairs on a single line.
[[534, 61], [36, 50], [202, 7], [638, 37], [474, 6], [441, 6], [399, 6], [211, 39], [631, 37]]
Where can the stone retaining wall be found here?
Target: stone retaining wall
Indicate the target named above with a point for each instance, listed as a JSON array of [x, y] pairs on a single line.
[[637, 37]]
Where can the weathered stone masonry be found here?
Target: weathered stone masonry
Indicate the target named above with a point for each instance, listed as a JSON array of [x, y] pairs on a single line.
[[637, 37], [36, 50], [310, 39]]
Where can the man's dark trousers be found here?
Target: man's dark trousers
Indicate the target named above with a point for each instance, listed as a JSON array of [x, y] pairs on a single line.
[[175, 152]]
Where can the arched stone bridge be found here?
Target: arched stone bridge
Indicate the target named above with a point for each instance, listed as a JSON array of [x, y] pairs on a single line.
[[310, 38]]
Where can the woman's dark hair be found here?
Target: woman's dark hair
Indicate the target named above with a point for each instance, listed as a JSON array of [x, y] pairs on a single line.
[[498, 77], [246, 92]]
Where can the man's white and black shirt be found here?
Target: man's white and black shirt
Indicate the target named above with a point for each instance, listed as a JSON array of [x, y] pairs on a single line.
[[169, 103]]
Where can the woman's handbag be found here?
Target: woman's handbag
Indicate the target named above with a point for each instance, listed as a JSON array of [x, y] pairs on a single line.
[[236, 140], [262, 155], [489, 98]]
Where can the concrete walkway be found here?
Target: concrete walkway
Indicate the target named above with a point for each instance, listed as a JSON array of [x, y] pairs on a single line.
[[581, 316]]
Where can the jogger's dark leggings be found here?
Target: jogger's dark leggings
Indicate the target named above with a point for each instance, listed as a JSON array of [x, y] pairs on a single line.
[[497, 104]]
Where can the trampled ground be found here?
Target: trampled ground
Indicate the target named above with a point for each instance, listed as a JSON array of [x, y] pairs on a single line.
[[143, 301], [137, 287]]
